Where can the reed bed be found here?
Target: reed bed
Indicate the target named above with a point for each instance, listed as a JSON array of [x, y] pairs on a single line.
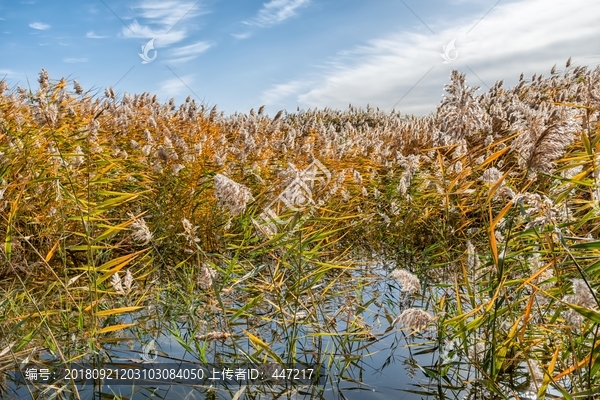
[[487, 210]]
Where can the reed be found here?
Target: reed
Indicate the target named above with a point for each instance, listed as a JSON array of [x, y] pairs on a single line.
[[488, 209]]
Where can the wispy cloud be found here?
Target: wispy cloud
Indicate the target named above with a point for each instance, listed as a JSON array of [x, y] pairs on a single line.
[[174, 87], [39, 26], [7, 72], [169, 13], [241, 36], [92, 35], [282, 91], [165, 20], [163, 36], [386, 69], [276, 11], [75, 60], [187, 53]]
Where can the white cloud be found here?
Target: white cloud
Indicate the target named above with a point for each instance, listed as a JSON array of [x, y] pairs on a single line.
[[541, 33], [75, 60], [169, 13], [174, 86], [276, 11], [241, 36], [281, 91], [8, 72], [163, 37], [39, 26], [187, 53], [162, 19], [92, 35]]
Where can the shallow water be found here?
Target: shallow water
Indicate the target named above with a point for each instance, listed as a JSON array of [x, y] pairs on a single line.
[[348, 339]]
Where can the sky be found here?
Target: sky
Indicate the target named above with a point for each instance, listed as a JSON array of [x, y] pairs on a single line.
[[290, 54]]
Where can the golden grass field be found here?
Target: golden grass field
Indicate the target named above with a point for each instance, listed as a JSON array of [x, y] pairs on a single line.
[[488, 209]]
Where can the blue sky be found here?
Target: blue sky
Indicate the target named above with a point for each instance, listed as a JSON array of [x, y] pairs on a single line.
[[294, 53]]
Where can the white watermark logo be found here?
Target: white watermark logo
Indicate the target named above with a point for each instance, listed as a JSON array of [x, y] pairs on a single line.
[[295, 197], [149, 353], [145, 49], [446, 54]]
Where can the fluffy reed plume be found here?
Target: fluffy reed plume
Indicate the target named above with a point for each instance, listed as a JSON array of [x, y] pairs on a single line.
[[78, 160], [122, 287], [232, 195], [77, 87], [210, 336], [459, 112], [541, 211], [473, 262], [206, 277], [109, 93], [411, 165], [176, 168], [278, 115], [357, 177], [547, 131], [161, 153], [414, 318], [189, 232], [582, 296], [409, 282], [3, 187], [141, 234], [43, 79], [491, 176]]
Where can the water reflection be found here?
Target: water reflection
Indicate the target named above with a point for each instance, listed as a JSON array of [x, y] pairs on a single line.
[[344, 330]]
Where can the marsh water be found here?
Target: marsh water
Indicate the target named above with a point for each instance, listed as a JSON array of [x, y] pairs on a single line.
[[345, 333]]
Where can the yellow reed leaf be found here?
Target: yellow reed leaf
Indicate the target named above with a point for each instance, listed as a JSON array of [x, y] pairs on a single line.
[[115, 311], [113, 328]]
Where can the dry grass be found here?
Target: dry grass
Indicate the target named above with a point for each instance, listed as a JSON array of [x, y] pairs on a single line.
[[501, 189]]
